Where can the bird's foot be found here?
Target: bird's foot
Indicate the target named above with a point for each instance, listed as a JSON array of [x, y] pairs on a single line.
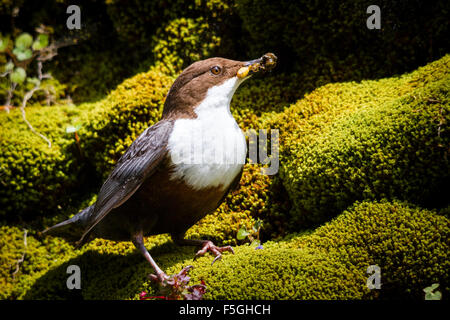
[[164, 280], [160, 278], [176, 286], [217, 251]]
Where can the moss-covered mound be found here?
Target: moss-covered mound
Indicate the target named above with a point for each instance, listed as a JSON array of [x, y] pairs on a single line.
[[37, 179], [182, 41], [371, 140], [409, 244], [34, 178], [127, 111]]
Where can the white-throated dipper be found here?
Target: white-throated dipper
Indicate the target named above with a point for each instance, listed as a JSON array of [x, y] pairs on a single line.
[[178, 170]]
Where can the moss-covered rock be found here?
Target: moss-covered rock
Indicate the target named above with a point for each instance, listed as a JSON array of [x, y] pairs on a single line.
[[368, 140], [37, 179], [409, 244], [137, 21], [262, 95], [127, 111], [17, 277], [34, 178], [182, 42]]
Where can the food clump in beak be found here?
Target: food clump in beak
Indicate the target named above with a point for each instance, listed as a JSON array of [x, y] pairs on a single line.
[[266, 63]]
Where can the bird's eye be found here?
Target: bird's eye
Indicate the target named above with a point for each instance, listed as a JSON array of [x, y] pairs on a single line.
[[215, 70]]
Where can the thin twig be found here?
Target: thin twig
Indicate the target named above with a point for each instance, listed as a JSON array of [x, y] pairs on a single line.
[[22, 258], [9, 97], [28, 96]]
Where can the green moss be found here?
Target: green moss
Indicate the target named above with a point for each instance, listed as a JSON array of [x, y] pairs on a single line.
[[38, 255], [259, 96], [37, 179], [368, 140], [93, 71], [127, 111], [280, 273], [182, 42], [34, 177], [137, 20], [342, 142], [409, 245]]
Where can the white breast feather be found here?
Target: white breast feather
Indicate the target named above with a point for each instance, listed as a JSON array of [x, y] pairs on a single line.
[[210, 150]]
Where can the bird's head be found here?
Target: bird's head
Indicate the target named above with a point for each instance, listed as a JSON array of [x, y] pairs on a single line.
[[216, 77]]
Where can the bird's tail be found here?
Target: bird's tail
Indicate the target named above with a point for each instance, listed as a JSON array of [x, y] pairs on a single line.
[[71, 229]]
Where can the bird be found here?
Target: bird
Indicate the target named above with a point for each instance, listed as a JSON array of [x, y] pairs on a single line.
[[177, 170]]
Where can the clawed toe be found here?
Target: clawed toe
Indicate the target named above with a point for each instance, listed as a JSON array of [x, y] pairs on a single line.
[[164, 280], [217, 251], [177, 286], [159, 278]]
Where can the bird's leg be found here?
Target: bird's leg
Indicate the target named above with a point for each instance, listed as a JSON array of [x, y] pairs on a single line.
[[206, 246], [160, 277], [138, 241]]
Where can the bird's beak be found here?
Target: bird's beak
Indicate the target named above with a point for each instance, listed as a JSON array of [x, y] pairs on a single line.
[[266, 63]]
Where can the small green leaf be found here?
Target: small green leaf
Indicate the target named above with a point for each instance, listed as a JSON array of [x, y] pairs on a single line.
[[34, 81], [434, 286], [433, 296], [24, 41], [74, 128], [255, 243], [437, 295], [18, 75], [71, 129], [257, 225], [431, 288], [22, 54], [41, 42], [430, 295], [9, 66], [242, 233]]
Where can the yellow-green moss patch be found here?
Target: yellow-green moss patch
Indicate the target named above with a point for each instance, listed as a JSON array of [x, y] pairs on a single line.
[[369, 140], [409, 244]]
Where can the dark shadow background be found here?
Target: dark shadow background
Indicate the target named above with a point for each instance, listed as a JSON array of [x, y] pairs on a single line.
[[324, 41]]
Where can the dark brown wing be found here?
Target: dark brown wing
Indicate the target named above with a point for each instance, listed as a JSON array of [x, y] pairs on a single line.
[[137, 163]]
